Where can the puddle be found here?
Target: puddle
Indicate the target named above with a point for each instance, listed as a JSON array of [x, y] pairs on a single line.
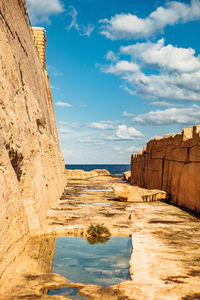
[[99, 190], [100, 264], [96, 203]]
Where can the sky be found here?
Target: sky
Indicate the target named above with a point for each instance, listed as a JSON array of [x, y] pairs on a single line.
[[121, 73]]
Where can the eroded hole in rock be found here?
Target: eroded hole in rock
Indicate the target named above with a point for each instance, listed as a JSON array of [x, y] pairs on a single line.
[[101, 264], [16, 161]]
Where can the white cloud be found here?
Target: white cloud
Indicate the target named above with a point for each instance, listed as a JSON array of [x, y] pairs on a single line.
[[167, 58], [129, 26], [40, 11], [63, 104], [167, 86], [124, 133], [165, 104], [110, 55], [128, 150], [70, 125], [90, 140], [64, 130], [128, 90], [127, 114], [122, 67], [103, 125], [187, 115], [177, 74], [82, 30]]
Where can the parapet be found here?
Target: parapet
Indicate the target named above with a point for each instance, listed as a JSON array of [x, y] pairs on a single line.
[[39, 35]]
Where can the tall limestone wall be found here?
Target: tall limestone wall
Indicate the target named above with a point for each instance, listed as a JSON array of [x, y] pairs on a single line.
[[31, 165], [172, 164]]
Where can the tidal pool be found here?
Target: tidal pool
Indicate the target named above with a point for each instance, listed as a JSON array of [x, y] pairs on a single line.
[[101, 264]]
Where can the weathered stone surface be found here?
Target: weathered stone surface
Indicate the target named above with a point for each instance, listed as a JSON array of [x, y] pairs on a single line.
[[172, 164], [126, 192], [81, 174], [164, 263], [31, 164], [127, 175], [102, 172]]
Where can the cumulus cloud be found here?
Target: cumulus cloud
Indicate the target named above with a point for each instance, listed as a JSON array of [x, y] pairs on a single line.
[[63, 104], [177, 73], [127, 114], [167, 58], [40, 11], [185, 116], [124, 133], [103, 125], [122, 67], [81, 29], [129, 26]]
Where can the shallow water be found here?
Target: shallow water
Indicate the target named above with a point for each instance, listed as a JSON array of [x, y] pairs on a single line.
[[101, 264]]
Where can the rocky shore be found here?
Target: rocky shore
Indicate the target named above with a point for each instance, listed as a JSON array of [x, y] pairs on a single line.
[[164, 263]]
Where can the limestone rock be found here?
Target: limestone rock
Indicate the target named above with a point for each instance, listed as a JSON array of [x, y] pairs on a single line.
[[172, 164], [127, 192], [31, 165], [101, 171], [81, 174], [127, 175]]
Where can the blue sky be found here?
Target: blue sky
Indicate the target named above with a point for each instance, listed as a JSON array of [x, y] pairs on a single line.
[[121, 72]]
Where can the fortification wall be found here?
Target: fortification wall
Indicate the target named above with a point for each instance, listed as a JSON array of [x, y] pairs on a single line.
[[172, 164], [31, 165]]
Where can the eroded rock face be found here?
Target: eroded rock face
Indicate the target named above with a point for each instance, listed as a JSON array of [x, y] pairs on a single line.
[[126, 192], [81, 174], [172, 164], [127, 176], [31, 164]]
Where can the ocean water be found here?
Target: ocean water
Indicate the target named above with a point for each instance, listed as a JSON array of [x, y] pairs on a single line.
[[117, 169]]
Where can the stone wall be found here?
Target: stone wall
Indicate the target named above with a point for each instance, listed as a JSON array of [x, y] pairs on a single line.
[[172, 164], [39, 37], [31, 165]]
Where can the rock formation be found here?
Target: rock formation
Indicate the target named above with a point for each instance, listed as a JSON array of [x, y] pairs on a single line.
[[127, 176], [126, 192], [172, 164], [31, 164], [81, 174]]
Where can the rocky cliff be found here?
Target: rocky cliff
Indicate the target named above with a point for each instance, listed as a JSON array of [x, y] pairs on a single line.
[[31, 164], [172, 164]]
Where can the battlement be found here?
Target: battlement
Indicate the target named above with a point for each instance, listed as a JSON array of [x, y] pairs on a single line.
[[39, 35]]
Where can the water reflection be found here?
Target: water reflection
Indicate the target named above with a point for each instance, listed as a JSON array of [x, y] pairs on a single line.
[[101, 264]]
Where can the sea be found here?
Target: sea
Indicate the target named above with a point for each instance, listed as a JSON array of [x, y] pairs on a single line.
[[114, 169]]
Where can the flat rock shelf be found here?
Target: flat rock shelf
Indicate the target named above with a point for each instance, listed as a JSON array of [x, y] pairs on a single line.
[[164, 263]]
